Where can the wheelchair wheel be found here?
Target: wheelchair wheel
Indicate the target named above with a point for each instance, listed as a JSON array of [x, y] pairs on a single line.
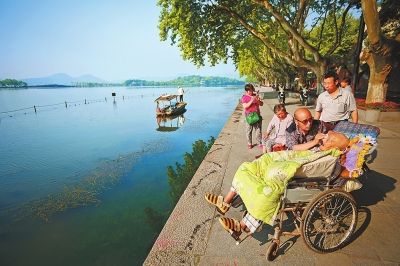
[[272, 251], [329, 221]]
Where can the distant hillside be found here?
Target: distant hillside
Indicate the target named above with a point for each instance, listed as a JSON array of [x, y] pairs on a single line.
[[186, 81], [62, 79]]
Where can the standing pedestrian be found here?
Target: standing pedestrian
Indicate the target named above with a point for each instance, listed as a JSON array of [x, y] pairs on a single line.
[[335, 104], [251, 104]]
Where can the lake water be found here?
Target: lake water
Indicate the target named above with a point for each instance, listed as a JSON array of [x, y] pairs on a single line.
[[75, 181]]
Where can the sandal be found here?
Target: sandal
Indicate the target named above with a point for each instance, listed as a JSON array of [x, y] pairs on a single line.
[[217, 201], [230, 224]]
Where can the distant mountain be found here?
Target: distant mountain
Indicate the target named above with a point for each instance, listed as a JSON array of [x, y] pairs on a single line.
[[61, 79]]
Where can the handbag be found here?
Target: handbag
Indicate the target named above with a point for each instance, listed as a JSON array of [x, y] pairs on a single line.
[[252, 118]]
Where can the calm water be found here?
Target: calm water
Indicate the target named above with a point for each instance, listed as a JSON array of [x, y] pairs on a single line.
[[74, 182]]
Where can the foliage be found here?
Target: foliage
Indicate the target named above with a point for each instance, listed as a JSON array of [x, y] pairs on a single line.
[[186, 81], [96, 84], [385, 106], [180, 177], [214, 31], [324, 38], [12, 83]]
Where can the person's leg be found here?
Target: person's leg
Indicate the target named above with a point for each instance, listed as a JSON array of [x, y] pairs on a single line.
[[229, 197], [257, 127], [270, 144], [222, 203], [249, 131]]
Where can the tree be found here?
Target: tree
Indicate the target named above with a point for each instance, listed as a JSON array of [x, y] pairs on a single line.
[[383, 50], [214, 30], [12, 83]]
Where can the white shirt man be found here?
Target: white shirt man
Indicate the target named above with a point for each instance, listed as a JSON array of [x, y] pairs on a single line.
[[180, 93]]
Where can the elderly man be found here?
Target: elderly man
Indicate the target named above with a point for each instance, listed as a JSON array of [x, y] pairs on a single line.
[[335, 104], [305, 132], [252, 220]]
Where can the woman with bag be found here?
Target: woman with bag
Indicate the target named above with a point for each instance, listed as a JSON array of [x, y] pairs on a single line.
[[251, 104]]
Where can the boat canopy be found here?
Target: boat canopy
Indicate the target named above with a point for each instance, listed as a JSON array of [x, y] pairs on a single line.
[[167, 97]]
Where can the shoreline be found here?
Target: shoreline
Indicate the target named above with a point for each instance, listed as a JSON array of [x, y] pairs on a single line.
[[192, 234]]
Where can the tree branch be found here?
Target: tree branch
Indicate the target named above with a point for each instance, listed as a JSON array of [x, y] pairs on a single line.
[[290, 29]]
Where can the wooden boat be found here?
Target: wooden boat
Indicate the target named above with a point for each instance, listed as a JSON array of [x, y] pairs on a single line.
[[169, 105]]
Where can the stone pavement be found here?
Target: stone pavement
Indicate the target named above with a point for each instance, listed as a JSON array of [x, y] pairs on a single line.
[[193, 235]]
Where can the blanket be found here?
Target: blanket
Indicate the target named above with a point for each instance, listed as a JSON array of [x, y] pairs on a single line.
[[261, 183]]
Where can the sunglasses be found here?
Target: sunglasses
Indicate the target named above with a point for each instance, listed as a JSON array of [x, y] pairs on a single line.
[[305, 121]]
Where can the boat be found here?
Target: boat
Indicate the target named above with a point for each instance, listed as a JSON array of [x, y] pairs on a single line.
[[169, 105]]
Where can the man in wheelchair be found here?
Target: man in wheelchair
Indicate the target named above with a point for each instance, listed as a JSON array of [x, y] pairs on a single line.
[[331, 143]]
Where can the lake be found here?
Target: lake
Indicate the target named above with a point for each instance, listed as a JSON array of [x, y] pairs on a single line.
[[86, 183]]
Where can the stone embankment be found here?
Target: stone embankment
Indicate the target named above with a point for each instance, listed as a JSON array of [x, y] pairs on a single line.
[[193, 235]]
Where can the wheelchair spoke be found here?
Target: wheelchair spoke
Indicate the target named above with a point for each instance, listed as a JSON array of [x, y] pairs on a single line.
[[329, 221]]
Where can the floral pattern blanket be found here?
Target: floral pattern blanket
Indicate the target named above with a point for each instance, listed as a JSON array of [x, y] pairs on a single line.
[[261, 183]]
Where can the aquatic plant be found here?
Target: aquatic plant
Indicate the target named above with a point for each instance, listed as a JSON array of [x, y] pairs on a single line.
[[106, 175], [179, 178]]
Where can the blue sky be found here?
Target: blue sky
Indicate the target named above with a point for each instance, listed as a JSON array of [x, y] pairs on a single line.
[[113, 40]]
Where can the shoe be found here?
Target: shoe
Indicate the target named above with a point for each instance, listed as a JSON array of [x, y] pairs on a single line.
[[230, 224], [217, 201], [258, 156], [249, 146]]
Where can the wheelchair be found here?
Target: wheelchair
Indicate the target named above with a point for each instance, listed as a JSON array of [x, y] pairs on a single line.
[[323, 213]]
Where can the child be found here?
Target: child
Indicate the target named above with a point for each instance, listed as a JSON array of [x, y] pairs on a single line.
[[280, 121]]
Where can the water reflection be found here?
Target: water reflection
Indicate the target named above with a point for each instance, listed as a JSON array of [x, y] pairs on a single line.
[[170, 123], [179, 178]]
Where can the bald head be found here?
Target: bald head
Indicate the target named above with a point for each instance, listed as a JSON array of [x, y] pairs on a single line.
[[302, 114], [334, 140]]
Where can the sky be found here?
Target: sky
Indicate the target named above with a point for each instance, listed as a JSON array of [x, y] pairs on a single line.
[[112, 40]]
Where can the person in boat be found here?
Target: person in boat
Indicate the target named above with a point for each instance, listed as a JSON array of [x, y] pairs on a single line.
[[331, 140], [181, 91], [158, 109]]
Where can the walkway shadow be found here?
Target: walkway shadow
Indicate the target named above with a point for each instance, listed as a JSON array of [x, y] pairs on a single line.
[[375, 187], [363, 220]]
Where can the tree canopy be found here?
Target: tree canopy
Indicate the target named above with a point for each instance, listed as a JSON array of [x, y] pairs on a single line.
[[12, 83], [216, 30]]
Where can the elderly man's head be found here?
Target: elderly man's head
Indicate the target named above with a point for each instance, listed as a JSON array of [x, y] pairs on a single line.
[[303, 119], [334, 140]]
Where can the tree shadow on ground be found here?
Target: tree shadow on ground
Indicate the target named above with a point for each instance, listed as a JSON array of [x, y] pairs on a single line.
[[375, 187]]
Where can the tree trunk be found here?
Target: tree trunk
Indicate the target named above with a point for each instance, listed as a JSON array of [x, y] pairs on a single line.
[[319, 72], [379, 70], [379, 55]]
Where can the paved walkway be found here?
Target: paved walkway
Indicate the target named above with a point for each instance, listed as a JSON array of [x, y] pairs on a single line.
[[194, 236]]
